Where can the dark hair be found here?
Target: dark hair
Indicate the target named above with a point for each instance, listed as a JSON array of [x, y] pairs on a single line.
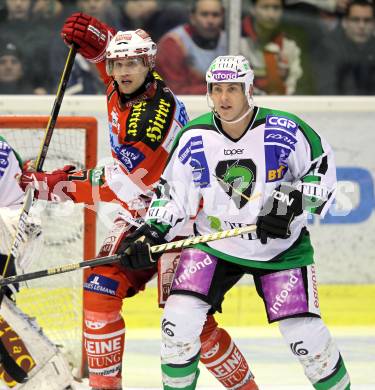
[[195, 2], [363, 3]]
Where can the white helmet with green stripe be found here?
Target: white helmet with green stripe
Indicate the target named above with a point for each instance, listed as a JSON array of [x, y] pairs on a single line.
[[231, 69]]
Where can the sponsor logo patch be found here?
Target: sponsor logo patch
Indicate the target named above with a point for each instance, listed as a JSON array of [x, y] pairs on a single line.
[[221, 75], [183, 117], [135, 117], [4, 155], [280, 137], [130, 156], [231, 152], [276, 162], [156, 130], [101, 284], [3, 162], [193, 152], [150, 120], [280, 122]]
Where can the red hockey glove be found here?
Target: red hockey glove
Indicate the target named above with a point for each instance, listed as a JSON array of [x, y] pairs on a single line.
[[29, 166], [89, 34], [48, 186]]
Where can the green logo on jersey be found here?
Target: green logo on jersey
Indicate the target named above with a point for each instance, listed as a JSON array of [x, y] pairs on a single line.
[[215, 223], [236, 177]]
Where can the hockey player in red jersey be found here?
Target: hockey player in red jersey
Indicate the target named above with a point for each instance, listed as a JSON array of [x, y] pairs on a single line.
[[144, 118]]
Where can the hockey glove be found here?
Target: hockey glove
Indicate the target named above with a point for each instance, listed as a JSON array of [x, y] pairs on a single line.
[[89, 34], [278, 213], [48, 186], [29, 166], [135, 248]]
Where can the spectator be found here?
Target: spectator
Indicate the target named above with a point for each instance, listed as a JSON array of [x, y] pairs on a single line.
[[152, 17], [276, 59], [101, 9], [47, 9], [325, 5], [12, 71], [18, 9], [315, 17], [30, 37], [346, 60], [185, 52]]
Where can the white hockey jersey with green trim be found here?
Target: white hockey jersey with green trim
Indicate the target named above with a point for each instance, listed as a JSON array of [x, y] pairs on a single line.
[[11, 193], [227, 181]]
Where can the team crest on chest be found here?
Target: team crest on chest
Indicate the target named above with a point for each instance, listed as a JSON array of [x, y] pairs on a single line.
[[237, 178], [115, 125]]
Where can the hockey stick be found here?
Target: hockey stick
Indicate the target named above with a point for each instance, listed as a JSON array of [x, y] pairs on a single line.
[[115, 258], [29, 197]]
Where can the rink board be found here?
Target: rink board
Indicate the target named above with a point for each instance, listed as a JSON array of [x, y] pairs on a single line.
[[341, 305]]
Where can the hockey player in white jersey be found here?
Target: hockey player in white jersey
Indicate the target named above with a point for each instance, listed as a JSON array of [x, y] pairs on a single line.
[[11, 198], [247, 165], [28, 359]]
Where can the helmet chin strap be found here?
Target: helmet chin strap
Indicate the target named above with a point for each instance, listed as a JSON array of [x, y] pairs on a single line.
[[234, 120], [209, 103]]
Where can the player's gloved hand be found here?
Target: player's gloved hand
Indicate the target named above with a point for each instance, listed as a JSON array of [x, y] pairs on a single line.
[[47, 185], [277, 214], [89, 34], [135, 248], [29, 166]]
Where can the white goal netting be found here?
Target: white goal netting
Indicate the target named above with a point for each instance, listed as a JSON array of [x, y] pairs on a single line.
[[68, 229]]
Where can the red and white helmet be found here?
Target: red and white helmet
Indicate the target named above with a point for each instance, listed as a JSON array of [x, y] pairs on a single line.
[[130, 44]]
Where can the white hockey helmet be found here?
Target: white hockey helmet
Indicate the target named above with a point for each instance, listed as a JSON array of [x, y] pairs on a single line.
[[131, 44], [231, 69]]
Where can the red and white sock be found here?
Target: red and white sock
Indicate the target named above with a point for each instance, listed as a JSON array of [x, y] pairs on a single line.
[[104, 344], [223, 359]]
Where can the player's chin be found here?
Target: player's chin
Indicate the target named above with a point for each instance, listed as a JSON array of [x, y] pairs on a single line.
[[227, 115], [125, 88]]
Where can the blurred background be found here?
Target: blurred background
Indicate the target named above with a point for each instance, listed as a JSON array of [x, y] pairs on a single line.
[[297, 47]]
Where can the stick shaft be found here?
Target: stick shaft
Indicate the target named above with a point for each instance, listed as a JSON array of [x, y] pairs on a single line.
[[56, 108], [115, 258], [19, 236]]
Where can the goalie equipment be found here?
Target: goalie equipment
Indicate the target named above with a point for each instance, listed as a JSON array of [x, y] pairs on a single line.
[[30, 241], [31, 351]]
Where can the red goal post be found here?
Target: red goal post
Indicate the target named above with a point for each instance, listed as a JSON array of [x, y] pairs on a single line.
[[90, 127], [69, 230]]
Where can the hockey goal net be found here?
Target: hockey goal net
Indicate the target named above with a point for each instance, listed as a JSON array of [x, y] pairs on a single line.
[[68, 229]]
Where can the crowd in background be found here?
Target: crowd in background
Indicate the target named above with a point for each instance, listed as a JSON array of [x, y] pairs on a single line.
[[296, 47]]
